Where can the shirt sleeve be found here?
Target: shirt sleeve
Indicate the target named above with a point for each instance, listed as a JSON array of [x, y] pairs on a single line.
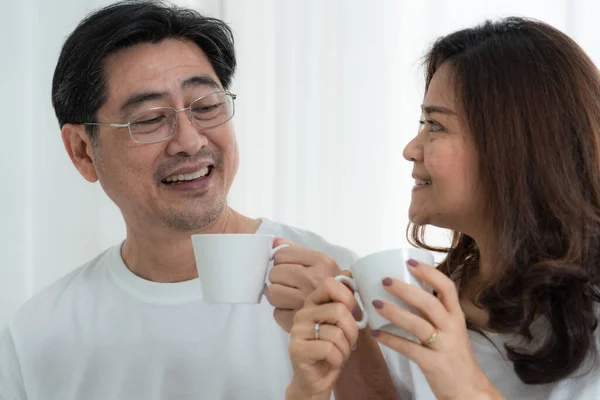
[[11, 377]]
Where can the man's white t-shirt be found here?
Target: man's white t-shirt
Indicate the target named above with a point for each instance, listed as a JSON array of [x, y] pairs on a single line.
[[492, 359], [102, 333]]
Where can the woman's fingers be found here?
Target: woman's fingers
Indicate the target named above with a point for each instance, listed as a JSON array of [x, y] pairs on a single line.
[[405, 320], [444, 286], [416, 352], [418, 298]]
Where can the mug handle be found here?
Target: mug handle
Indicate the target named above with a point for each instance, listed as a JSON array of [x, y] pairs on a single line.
[[276, 249], [352, 285], [271, 257]]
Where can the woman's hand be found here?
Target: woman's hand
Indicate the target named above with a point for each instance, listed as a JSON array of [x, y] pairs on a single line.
[[318, 358], [444, 355]]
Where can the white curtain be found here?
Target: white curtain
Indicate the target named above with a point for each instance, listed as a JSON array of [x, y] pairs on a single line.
[[328, 94]]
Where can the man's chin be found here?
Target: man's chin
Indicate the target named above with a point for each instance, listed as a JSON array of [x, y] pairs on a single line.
[[189, 224], [194, 220]]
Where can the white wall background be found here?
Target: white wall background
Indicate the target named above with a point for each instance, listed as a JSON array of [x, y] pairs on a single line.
[[328, 94]]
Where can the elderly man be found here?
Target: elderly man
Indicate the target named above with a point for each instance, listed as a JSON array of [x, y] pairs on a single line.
[[141, 95]]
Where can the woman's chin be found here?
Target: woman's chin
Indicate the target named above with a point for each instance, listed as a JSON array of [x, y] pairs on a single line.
[[418, 218]]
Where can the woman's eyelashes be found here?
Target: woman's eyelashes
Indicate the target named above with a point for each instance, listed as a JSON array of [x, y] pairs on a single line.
[[433, 126]]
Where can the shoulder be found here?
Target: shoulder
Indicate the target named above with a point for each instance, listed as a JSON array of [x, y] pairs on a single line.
[[11, 379], [309, 240], [40, 308]]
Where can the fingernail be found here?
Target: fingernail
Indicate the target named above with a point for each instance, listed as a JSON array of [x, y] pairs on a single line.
[[356, 312], [355, 346], [387, 282], [377, 303], [375, 333], [412, 263]]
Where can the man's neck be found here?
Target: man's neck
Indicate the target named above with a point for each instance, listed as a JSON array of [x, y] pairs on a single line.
[[170, 258]]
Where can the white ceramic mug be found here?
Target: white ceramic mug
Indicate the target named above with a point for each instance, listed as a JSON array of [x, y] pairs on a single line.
[[233, 267], [369, 271]]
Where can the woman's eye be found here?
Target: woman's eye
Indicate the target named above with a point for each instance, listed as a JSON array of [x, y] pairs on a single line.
[[435, 127]]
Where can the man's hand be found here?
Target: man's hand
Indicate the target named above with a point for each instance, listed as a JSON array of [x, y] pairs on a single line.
[[296, 273]]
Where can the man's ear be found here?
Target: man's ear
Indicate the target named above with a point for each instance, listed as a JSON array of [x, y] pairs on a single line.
[[79, 147]]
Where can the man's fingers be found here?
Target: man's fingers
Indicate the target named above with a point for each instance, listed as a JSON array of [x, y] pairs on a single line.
[[292, 275], [337, 323], [279, 241], [332, 290], [298, 255], [317, 350], [284, 318], [346, 273], [285, 297]]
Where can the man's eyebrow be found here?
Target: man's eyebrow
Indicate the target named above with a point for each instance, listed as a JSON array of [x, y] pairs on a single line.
[[192, 82], [138, 98], [199, 80], [437, 109]]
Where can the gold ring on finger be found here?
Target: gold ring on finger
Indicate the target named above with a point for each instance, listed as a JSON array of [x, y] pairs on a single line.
[[429, 342]]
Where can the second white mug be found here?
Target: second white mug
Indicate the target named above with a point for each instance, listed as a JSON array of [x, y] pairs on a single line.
[[367, 276]]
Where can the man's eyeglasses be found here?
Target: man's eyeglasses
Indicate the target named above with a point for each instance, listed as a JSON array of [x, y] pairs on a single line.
[[160, 123]]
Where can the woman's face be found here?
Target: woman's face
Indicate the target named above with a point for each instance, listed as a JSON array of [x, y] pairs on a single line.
[[446, 190]]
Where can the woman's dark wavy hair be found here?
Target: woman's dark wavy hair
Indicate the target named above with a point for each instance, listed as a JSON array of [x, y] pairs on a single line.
[[530, 97]]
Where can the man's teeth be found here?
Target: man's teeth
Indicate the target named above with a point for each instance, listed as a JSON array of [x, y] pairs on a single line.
[[420, 183], [188, 177]]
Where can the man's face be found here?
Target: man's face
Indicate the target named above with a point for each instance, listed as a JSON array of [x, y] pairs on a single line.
[[139, 178]]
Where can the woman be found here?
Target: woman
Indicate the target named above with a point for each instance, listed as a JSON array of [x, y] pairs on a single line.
[[508, 157]]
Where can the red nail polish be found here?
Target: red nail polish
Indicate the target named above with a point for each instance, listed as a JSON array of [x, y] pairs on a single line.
[[375, 333], [387, 282], [412, 263], [356, 312], [355, 346], [377, 304]]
